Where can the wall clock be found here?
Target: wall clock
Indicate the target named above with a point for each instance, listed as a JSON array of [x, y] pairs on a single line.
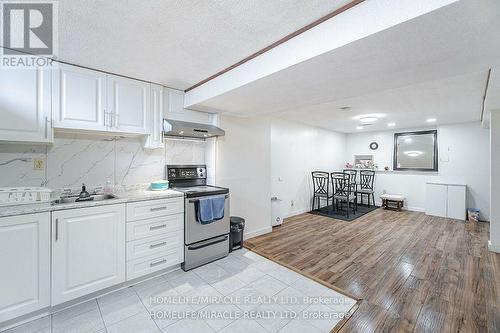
[[373, 146]]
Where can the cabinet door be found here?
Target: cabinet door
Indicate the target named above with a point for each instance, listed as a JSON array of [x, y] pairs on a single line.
[[456, 202], [88, 251], [25, 105], [129, 104], [435, 199], [79, 98], [155, 118], [25, 264]]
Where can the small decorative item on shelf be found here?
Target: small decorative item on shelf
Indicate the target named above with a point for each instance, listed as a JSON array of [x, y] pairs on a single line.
[[386, 168], [348, 165]]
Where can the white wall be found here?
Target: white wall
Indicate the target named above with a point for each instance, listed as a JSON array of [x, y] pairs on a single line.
[[495, 181], [296, 151], [243, 165], [463, 157]]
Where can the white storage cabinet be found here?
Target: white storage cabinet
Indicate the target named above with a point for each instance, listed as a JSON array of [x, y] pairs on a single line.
[[155, 235], [88, 250], [446, 200], [25, 105], [25, 262]]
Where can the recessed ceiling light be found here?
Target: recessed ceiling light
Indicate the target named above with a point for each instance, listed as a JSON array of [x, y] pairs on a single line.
[[408, 140], [431, 120], [359, 127], [367, 120], [391, 124]]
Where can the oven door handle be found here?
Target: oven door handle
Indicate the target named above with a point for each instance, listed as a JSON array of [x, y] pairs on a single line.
[[196, 200], [192, 247]]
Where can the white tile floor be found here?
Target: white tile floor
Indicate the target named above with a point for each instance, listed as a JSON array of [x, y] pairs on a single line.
[[241, 293]]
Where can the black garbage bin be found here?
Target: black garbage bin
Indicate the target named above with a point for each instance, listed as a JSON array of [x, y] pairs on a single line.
[[236, 234]]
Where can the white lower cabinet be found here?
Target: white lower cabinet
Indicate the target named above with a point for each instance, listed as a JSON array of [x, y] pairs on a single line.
[[51, 258], [446, 200], [25, 262], [88, 251], [155, 235]]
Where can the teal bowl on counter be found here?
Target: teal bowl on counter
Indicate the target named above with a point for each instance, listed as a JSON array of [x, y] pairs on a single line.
[[159, 185]]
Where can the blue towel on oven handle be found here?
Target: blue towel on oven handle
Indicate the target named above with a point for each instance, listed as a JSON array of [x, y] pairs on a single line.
[[218, 204], [205, 213], [210, 209]]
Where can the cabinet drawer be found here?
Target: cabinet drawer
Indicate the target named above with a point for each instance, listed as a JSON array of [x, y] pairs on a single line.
[[154, 208], [153, 227], [147, 265], [153, 245]]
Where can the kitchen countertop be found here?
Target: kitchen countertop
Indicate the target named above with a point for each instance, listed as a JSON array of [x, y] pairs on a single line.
[[121, 197]]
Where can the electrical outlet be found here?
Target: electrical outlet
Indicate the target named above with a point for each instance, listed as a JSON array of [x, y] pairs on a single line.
[[38, 164]]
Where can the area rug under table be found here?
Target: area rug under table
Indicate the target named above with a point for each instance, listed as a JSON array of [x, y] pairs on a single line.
[[328, 211]]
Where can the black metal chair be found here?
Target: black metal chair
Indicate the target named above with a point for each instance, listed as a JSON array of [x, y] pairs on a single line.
[[321, 187], [366, 180], [343, 191], [353, 175]]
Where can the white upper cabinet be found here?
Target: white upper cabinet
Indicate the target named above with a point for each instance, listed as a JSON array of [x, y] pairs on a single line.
[[25, 105], [79, 99], [155, 118], [72, 98], [25, 264], [129, 104]]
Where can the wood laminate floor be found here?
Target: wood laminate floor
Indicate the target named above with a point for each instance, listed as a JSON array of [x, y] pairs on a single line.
[[412, 272]]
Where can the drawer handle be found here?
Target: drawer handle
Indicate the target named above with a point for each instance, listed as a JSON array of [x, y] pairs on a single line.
[[152, 246], [156, 227], [155, 209], [153, 264]]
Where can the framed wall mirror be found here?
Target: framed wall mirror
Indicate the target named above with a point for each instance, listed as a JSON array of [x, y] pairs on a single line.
[[416, 151]]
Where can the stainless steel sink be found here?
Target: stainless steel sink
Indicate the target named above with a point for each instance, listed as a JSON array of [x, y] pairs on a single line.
[[73, 199]]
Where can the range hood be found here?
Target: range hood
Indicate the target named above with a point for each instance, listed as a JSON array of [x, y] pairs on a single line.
[[184, 129]]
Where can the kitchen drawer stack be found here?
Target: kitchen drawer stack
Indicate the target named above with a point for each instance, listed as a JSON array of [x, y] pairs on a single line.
[[155, 235]]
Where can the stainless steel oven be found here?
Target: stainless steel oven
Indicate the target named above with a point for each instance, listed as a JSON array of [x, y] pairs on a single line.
[[195, 231], [203, 243]]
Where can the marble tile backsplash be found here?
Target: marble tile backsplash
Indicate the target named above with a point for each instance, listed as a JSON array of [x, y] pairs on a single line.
[[75, 159], [17, 165], [185, 152], [134, 165]]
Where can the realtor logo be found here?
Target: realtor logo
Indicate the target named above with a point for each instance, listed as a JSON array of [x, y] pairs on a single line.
[[28, 33], [28, 28]]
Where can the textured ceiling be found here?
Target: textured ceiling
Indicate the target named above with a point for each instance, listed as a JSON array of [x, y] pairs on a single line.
[[451, 100], [434, 65], [177, 42]]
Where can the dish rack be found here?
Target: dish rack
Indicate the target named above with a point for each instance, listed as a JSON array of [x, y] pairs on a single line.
[[10, 196]]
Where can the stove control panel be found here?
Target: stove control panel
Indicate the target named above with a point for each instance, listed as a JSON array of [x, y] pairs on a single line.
[[186, 172]]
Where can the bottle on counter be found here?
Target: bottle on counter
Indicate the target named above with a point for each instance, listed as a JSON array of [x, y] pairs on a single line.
[[108, 188]]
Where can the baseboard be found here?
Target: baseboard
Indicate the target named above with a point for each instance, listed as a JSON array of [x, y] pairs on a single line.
[[493, 248], [416, 209], [296, 212], [258, 232]]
